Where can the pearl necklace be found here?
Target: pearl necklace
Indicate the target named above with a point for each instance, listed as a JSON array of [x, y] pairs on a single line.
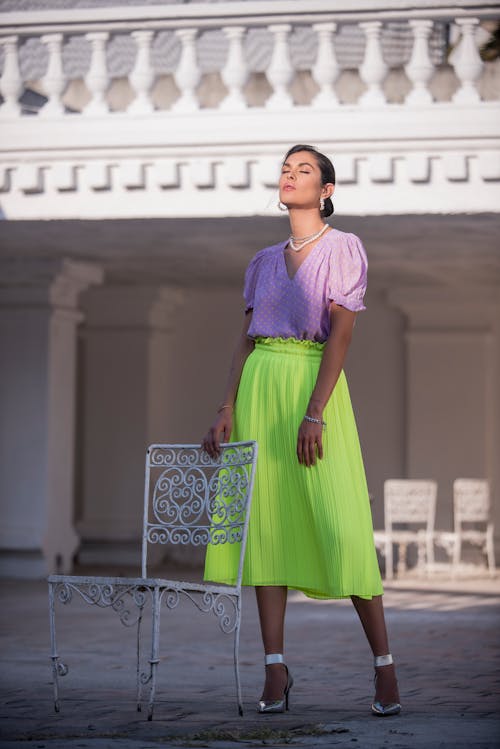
[[297, 244]]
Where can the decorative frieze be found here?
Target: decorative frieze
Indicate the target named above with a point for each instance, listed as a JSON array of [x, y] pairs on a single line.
[[489, 165], [233, 184]]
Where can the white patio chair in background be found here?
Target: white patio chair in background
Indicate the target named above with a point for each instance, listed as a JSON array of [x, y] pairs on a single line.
[[411, 504], [471, 507], [188, 499]]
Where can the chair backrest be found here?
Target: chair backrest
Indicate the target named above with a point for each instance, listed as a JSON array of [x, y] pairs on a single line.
[[189, 498], [471, 500], [410, 501]]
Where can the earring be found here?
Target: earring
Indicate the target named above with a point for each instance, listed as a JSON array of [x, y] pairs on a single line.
[[321, 204], [282, 206]]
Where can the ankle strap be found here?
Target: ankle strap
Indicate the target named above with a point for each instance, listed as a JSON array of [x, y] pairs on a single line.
[[274, 658], [383, 660]]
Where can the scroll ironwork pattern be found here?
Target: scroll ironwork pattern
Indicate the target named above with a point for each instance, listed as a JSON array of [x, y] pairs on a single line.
[[223, 606], [119, 597], [197, 500]]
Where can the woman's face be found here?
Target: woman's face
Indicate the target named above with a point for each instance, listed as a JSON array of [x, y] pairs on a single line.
[[300, 182]]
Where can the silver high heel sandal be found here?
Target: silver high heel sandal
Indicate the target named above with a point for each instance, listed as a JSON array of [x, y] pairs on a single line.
[[276, 706], [393, 708]]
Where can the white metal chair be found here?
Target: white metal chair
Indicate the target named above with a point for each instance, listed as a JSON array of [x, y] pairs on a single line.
[[471, 507], [188, 499], [408, 502]]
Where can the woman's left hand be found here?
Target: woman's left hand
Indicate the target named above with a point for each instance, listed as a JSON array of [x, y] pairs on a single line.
[[309, 443]]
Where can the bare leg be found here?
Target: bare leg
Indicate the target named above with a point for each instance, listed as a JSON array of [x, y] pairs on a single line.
[[371, 614], [271, 602]]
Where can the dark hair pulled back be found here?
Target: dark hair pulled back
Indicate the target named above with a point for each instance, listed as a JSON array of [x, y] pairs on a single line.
[[326, 168]]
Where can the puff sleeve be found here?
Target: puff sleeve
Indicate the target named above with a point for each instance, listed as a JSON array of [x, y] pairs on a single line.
[[251, 275], [348, 273]]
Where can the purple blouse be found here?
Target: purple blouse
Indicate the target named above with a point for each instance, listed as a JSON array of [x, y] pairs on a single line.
[[298, 307]]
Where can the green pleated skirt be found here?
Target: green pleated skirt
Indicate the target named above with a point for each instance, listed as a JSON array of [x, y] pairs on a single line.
[[310, 528]]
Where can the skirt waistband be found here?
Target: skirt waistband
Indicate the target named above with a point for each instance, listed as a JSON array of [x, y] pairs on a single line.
[[290, 346]]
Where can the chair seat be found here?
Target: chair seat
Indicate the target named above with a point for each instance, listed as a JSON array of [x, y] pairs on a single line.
[[109, 592], [402, 537], [380, 538], [196, 587], [142, 582], [474, 536], [98, 579], [444, 538]]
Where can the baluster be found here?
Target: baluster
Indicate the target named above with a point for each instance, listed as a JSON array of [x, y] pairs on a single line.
[[467, 63], [53, 81], [235, 71], [142, 76], [97, 79], [373, 70], [11, 83], [326, 68], [280, 71], [420, 68], [187, 76]]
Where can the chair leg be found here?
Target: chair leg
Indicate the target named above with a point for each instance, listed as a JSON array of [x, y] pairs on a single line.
[[155, 647], [138, 662], [421, 556], [58, 669], [490, 551], [53, 648], [388, 560], [457, 553], [402, 559], [237, 656], [429, 567]]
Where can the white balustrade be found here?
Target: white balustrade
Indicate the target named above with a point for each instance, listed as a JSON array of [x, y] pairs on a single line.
[[188, 75], [11, 84], [142, 76], [213, 148], [235, 72], [280, 72], [373, 70], [54, 81], [467, 63], [326, 69], [420, 68], [97, 79]]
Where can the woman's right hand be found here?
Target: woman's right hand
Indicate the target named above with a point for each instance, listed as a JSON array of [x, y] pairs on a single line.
[[220, 431]]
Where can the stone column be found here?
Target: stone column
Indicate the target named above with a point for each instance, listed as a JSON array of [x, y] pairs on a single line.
[[453, 397], [125, 364], [38, 321]]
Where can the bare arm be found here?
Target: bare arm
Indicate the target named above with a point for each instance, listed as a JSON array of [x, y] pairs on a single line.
[[220, 430], [309, 440]]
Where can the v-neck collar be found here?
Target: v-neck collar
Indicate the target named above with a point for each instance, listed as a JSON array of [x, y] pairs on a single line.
[[283, 257]]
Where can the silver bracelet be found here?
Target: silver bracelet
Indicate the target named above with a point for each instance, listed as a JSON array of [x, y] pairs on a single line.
[[312, 420]]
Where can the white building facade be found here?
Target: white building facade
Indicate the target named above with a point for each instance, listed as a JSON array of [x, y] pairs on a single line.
[[140, 152]]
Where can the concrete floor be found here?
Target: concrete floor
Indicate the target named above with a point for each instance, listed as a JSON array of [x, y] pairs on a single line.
[[445, 636]]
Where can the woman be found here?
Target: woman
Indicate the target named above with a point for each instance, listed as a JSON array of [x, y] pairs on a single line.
[[310, 525]]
